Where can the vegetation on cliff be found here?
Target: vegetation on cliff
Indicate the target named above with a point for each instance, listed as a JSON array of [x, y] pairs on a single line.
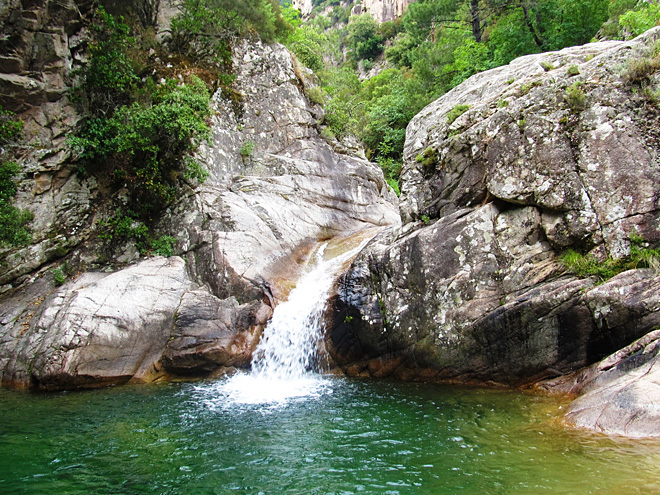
[[13, 221], [146, 103]]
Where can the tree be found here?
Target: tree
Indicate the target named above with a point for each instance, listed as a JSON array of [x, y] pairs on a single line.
[[363, 38]]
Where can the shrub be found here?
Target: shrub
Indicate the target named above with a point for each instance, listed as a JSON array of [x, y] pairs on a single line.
[[394, 184], [163, 245], [59, 277], [13, 221], [639, 70], [10, 128], [127, 227], [247, 149], [456, 112], [315, 95], [573, 70], [575, 97], [363, 38], [641, 256], [148, 146]]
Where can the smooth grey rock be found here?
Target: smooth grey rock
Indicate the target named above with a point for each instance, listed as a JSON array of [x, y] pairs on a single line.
[[621, 394], [97, 330], [292, 188]]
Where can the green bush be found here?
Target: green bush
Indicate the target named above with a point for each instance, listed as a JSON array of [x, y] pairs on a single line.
[[573, 70], [127, 227], [363, 39], [147, 146], [10, 128], [575, 97], [13, 221], [59, 277], [456, 112], [641, 256], [247, 149], [637, 22], [203, 29]]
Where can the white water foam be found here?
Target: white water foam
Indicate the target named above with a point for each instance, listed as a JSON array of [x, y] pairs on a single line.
[[284, 361]]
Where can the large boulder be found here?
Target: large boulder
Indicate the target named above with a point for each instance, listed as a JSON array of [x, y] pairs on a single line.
[[620, 394], [275, 184], [501, 175], [570, 133]]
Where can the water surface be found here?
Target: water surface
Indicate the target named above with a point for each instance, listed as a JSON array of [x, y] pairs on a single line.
[[351, 436]]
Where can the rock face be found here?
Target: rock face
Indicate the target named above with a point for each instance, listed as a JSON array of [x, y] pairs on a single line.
[[500, 176], [620, 394], [275, 188], [381, 10], [274, 182]]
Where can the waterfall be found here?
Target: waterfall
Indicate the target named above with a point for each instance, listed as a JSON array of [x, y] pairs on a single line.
[[283, 362]]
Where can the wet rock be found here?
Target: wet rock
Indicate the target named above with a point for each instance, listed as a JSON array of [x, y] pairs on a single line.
[[210, 333]]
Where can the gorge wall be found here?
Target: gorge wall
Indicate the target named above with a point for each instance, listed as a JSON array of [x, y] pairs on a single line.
[[381, 10], [501, 175], [241, 236]]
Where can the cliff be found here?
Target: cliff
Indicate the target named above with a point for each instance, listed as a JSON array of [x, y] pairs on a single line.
[[381, 10], [501, 176], [240, 236]]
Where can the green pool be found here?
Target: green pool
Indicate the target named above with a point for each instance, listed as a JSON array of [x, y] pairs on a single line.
[[350, 436]]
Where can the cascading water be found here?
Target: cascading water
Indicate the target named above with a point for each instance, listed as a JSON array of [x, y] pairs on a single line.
[[283, 362]]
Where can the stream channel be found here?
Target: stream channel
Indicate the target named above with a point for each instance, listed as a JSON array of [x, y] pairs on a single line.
[[284, 429]]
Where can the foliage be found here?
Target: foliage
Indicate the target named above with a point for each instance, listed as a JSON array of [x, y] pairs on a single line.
[[575, 97], [10, 128], [128, 227], [456, 112], [641, 256], [640, 69], [13, 221], [163, 246], [109, 77], [59, 276], [247, 149], [363, 39], [573, 70], [638, 21], [307, 43], [203, 29], [148, 145]]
